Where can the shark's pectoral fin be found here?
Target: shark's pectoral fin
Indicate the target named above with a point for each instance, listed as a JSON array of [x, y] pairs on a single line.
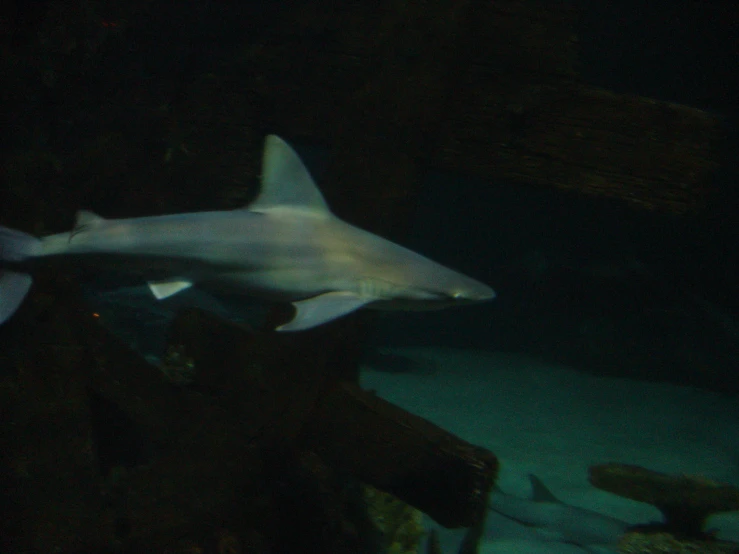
[[165, 289], [323, 308]]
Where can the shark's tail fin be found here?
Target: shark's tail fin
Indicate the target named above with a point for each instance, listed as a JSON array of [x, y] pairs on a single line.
[[15, 246]]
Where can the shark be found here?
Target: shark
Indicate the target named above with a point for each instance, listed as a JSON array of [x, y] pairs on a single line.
[[284, 246], [541, 524], [550, 520]]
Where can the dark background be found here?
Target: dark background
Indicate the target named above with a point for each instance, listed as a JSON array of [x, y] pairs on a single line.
[[584, 281]]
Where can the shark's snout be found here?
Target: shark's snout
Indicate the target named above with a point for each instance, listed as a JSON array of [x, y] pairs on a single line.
[[474, 292]]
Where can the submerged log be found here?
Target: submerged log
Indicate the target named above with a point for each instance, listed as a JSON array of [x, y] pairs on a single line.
[[306, 383], [213, 445], [396, 451], [481, 88], [650, 154]]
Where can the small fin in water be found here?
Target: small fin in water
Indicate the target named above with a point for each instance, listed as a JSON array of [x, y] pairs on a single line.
[[165, 289], [86, 218], [540, 492], [13, 289], [323, 308], [15, 246]]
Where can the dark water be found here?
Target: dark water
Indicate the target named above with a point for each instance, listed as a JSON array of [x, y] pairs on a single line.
[[101, 102], [580, 280]]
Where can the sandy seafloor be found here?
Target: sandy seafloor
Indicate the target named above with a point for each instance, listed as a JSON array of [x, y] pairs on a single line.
[[554, 422]]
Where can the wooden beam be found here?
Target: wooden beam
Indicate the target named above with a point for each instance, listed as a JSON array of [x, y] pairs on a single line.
[[487, 89], [575, 137]]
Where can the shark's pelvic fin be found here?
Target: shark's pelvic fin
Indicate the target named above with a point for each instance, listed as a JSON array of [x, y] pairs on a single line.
[[286, 182], [323, 308], [165, 289]]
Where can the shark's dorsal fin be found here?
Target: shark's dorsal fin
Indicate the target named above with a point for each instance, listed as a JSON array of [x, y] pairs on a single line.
[[286, 182], [539, 491]]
